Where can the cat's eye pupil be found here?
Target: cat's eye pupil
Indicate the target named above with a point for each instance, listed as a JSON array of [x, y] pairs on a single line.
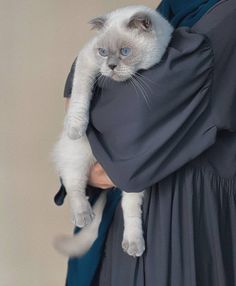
[[103, 52], [125, 51]]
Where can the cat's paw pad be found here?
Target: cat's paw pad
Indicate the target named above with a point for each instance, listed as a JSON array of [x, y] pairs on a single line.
[[134, 247], [82, 219]]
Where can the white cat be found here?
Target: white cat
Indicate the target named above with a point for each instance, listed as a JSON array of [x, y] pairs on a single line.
[[128, 39]]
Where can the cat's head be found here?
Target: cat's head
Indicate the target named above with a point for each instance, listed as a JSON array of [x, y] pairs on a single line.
[[130, 39]]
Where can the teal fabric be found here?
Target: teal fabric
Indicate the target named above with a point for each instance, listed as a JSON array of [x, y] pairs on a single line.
[[184, 12], [81, 271]]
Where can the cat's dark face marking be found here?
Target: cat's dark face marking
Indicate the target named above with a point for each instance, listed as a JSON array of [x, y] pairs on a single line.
[[118, 55]]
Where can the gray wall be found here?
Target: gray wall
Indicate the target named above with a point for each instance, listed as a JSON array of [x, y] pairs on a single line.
[[38, 42]]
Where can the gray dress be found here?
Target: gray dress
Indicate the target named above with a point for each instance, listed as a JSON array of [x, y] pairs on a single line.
[[182, 150]]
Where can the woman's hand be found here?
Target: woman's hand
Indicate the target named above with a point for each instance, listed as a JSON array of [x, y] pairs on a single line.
[[67, 104], [99, 178]]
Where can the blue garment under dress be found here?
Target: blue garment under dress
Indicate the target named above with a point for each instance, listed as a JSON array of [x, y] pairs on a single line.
[[184, 13]]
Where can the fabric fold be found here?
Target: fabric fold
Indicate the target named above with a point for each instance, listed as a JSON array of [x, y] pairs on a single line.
[[142, 147]]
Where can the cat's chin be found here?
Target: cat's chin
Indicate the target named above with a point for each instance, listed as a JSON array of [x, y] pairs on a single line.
[[118, 78]]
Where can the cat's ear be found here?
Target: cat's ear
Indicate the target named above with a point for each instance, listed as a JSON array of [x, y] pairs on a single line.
[[141, 21], [97, 23]]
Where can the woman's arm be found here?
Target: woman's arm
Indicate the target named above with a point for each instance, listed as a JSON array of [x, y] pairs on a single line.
[[139, 146], [67, 101]]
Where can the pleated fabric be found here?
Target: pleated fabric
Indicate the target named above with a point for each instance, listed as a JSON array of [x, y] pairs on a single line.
[[190, 232]]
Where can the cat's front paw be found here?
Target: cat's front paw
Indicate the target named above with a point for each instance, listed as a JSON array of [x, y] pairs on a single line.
[[82, 212], [76, 128], [134, 245]]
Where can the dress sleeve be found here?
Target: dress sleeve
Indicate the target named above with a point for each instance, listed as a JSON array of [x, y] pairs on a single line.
[[219, 27], [69, 81], [143, 130]]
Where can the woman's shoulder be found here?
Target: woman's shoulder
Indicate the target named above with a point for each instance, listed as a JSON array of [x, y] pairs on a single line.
[[222, 12], [218, 26]]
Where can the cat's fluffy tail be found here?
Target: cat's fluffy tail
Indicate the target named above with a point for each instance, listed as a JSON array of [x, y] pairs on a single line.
[[80, 243]]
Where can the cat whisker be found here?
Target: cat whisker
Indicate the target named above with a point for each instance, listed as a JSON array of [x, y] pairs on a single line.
[[145, 78], [143, 91], [96, 80], [139, 87], [141, 79], [133, 84], [103, 81]]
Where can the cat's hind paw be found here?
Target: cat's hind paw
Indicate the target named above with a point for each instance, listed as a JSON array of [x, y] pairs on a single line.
[[83, 219], [133, 246], [81, 212]]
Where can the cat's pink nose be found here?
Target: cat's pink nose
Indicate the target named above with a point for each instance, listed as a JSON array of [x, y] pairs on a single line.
[[112, 66]]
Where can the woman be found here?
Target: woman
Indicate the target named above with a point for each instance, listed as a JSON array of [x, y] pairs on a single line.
[[186, 152]]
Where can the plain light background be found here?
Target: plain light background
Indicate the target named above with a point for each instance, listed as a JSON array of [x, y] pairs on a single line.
[[39, 40]]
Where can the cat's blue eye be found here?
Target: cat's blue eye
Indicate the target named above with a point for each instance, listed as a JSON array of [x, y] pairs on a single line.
[[125, 51], [103, 52]]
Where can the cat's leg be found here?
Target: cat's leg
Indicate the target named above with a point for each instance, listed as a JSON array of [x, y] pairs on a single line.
[[74, 159], [75, 178], [133, 242], [81, 211], [86, 71]]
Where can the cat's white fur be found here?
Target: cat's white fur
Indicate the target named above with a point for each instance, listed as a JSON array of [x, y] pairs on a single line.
[[73, 155]]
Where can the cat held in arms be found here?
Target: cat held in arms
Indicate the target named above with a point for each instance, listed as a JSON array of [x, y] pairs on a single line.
[[129, 39]]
